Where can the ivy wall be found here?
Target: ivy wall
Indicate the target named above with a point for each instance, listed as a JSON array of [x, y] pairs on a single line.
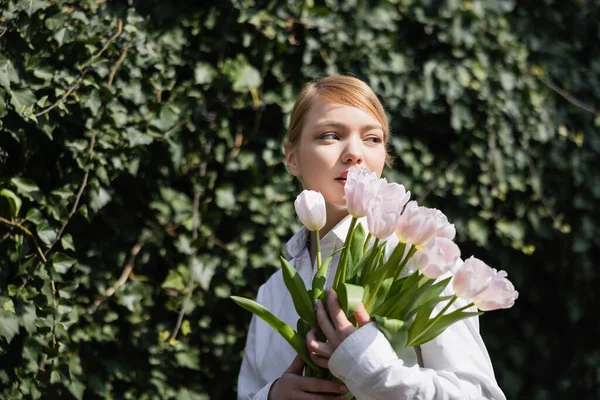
[[141, 174]]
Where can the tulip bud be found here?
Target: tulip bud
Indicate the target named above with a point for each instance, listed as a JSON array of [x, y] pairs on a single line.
[[419, 225], [385, 209], [499, 294], [472, 278], [361, 188], [310, 207], [438, 258], [415, 226]]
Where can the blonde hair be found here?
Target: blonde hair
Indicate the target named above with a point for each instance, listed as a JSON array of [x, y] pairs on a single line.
[[336, 89]]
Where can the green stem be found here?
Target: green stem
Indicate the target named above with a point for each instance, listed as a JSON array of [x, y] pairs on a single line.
[[411, 252], [437, 317], [318, 249], [423, 280], [340, 275], [366, 245], [369, 266], [471, 304]]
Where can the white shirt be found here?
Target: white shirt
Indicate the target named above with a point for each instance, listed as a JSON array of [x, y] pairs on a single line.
[[456, 363]]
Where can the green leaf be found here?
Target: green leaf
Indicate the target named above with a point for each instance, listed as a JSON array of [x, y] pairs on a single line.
[[9, 325], [7, 304], [62, 262], [28, 316], [225, 197], [31, 6], [46, 233], [285, 330], [166, 120], [320, 278], [438, 328], [22, 99], [186, 328], [356, 269], [8, 73], [358, 241], [423, 312], [26, 187], [35, 216], [174, 280], [204, 73], [67, 242], [350, 296], [242, 75], [13, 200], [297, 290], [430, 294], [99, 198], [395, 331]]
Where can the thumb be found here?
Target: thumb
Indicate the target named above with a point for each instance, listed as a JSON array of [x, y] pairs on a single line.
[[296, 367], [361, 315]]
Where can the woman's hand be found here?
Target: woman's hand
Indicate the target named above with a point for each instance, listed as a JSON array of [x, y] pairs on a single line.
[[292, 385], [336, 330]]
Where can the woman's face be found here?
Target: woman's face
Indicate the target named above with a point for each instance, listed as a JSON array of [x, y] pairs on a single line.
[[334, 139]]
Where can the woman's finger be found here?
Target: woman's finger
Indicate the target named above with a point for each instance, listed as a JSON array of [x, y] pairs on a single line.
[[315, 385], [340, 321], [361, 315], [319, 348], [319, 360], [326, 326]]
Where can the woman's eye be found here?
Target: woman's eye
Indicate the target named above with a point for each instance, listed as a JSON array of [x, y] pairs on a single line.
[[330, 136], [375, 139]]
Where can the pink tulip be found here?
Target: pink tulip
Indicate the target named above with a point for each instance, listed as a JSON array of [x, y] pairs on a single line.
[[499, 294], [310, 207], [418, 225], [473, 277], [361, 188], [438, 258], [415, 226], [384, 210], [445, 228]]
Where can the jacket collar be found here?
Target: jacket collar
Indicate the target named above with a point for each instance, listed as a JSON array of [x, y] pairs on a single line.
[[329, 243]]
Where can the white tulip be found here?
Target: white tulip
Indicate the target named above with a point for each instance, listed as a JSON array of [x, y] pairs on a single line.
[[438, 258], [361, 188], [385, 209], [310, 207], [473, 277]]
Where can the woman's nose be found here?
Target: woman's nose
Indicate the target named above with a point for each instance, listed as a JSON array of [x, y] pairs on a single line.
[[353, 152]]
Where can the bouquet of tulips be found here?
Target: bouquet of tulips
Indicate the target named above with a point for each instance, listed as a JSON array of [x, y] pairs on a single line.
[[401, 290]]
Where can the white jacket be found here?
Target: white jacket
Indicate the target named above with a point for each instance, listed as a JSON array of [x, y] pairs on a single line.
[[456, 363]]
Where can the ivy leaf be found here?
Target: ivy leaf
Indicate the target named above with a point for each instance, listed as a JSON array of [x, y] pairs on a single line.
[[62, 262], [28, 316], [67, 242], [31, 6], [46, 233], [225, 197], [242, 74], [204, 73], [13, 200], [9, 325], [22, 99], [26, 187]]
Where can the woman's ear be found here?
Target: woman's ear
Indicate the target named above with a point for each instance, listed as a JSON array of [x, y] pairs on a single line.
[[291, 158]]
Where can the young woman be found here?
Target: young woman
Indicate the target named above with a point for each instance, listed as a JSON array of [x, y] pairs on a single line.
[[337, 123]]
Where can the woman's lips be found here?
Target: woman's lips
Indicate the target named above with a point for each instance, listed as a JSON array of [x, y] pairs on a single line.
[[341, 180]]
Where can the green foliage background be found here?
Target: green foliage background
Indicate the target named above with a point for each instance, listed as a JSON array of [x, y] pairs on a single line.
[[143, 140]]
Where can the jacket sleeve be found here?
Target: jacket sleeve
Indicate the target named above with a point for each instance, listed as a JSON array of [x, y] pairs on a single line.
[[457, 366], [251, 385]]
